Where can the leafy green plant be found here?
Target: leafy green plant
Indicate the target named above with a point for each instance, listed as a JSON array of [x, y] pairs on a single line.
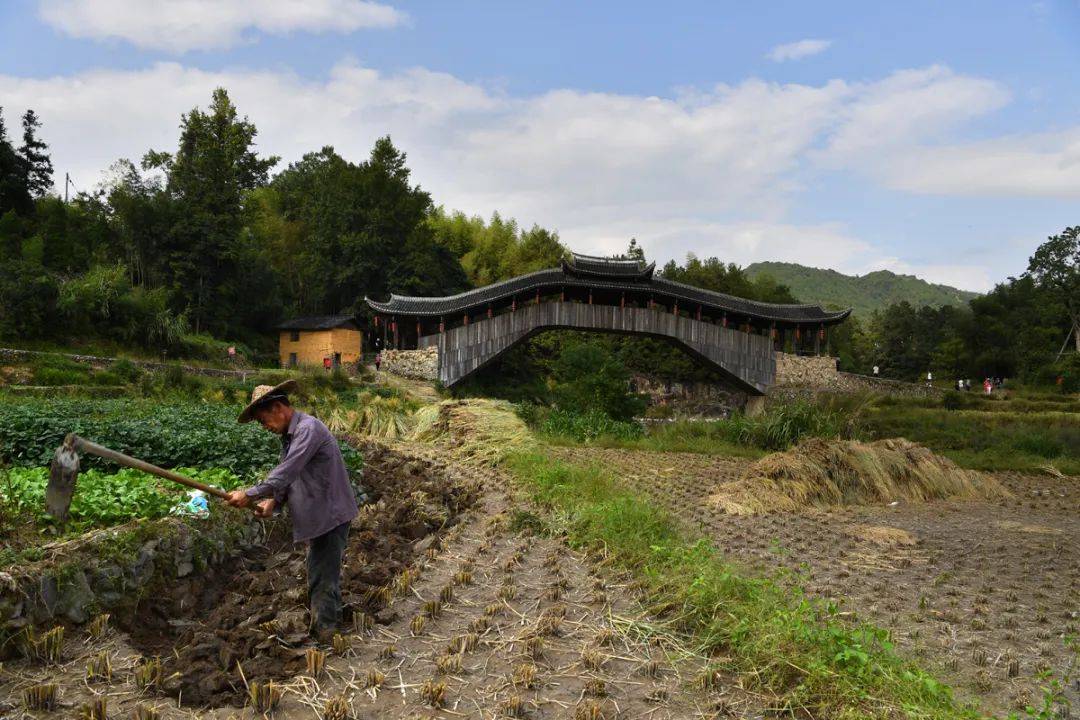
[[103, 498]]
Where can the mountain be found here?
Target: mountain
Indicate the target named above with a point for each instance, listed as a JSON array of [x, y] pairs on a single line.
[[864, 293]]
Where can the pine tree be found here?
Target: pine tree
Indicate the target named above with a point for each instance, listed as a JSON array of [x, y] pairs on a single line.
[[13, 194], [37, 166]]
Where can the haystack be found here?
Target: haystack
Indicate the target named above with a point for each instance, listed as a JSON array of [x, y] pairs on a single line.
[[819, 473], [474, 429]]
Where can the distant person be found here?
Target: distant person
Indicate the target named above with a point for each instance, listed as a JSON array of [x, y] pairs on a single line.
[[967, 384], [378, 361], [326, 363], [875, 371], [988, 386], [929, 379], [960, 384]]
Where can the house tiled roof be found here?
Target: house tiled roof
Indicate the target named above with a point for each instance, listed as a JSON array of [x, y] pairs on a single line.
[[319, 322], [605, 274]]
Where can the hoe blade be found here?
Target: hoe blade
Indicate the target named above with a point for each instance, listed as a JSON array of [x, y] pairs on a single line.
[[63, 471]]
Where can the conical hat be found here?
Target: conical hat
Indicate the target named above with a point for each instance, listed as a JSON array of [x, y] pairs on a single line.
[[266, 393]]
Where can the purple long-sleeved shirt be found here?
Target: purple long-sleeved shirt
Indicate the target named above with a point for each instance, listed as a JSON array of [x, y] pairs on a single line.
[[311, 478]]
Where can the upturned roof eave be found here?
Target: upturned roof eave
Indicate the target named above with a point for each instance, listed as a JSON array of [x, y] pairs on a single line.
[[415, 306]]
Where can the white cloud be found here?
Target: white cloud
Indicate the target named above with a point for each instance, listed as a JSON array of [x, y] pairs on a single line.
[[798, 50], [1046, 165], [909, 107], [710, 171], [181, 25]]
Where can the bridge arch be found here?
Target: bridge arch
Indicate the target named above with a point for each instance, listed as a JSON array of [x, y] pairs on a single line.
[[746, 359], [735, 335]]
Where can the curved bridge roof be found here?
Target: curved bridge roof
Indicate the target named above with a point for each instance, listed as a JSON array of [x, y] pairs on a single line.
[[604, 274]]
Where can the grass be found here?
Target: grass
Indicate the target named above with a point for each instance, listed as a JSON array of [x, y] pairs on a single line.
[[984, 440], [777, 429], [783, 644]]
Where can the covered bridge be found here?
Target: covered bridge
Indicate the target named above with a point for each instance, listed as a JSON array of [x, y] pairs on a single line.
[[735, 335]]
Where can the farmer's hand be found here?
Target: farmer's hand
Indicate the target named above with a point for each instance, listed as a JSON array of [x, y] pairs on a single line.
[[238, 498], [265, 508]]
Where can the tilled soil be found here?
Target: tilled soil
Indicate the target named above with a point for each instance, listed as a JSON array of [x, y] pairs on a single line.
[[255, 614], [456, 613], [983, 592]]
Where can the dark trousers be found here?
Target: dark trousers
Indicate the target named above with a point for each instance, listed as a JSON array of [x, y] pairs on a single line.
[[324, 577]]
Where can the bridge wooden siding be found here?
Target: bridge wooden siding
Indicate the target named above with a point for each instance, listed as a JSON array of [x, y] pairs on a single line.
[[747, 358]]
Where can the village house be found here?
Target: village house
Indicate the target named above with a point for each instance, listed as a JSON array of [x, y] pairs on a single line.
[[314, 341]]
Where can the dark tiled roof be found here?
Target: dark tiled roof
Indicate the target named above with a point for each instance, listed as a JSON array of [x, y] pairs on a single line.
[[601, 267], [319, 322], [555, 279]]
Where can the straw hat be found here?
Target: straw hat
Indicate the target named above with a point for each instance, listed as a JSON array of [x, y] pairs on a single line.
[[263, 394]]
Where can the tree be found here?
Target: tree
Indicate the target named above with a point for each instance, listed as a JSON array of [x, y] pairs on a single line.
[[13, 193], [1056, 267], [214, 166], [588, 376], [635, 251], [36, 165]]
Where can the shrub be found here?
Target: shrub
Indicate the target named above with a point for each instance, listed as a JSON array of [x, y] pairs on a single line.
[[126, 370], [782, 426], [59, 376], [589, 426]]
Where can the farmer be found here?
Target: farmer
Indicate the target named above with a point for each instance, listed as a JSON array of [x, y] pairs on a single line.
[[312, 479]]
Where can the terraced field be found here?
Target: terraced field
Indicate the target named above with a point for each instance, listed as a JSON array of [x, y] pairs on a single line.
[[482, 619], [985, 592]]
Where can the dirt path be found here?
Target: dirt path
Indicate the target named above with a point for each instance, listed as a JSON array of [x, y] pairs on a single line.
[[484, 620], [981, 592]]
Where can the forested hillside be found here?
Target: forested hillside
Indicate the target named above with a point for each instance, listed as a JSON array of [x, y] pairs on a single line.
[[863, 293], [213, 244]]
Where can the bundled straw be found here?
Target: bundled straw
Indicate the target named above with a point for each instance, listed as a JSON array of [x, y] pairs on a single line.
[[475, 429], [821, 472]]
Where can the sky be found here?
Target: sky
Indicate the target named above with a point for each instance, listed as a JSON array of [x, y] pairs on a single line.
[[935, 139]]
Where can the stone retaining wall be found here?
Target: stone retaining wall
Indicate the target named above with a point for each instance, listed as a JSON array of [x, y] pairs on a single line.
[[690, 399], [13, 355], [805, 376], [810, 370], [416, 364], [112, 569]]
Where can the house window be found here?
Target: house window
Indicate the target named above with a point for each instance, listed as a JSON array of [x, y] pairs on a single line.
[[294, 336], [292, 359]]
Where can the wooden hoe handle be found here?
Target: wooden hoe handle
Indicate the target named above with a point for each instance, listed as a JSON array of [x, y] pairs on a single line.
[[82, 445]]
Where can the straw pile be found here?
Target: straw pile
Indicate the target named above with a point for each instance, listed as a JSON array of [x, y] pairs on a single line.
[[475, 429], [821, 472]]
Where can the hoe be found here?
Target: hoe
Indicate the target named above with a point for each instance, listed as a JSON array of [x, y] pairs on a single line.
[[64, 471]]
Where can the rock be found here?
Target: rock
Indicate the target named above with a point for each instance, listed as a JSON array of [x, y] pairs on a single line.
[[415, 364], [76, 598]]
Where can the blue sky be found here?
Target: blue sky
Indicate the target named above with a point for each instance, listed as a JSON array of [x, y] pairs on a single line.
[[939, 139]]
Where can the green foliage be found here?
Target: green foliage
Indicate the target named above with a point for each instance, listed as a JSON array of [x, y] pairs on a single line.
[[984, 434], [789, 646], [866, 293], [498, 250], [190, 435], [1055, 266], [587, 378], [783, 425], [589, 426], [102, 498]]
